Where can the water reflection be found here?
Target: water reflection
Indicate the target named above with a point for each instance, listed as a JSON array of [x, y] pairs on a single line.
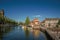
[[36, 33], [5, 30], [27, 33], [17, 33], [1, 33]]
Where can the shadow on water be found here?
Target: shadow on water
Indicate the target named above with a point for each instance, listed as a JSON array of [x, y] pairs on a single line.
[[1, 33], [48, 36], [4, 30]]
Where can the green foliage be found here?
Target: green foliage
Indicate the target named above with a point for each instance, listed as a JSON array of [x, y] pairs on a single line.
[[21, 23], [1, 20], [27, 21], [7, 20], [58, 24]]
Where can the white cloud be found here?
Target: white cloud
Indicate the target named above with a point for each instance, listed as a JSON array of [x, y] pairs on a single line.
[[37, 16]]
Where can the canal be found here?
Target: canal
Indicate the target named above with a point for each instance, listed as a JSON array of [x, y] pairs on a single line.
[[19, 33]]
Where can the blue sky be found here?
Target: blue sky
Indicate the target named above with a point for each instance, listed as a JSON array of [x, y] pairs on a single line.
[[20, 9]]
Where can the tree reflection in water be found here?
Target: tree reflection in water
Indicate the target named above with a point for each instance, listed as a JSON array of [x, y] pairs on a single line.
[[4, 30], [1, 33], [27, 33]]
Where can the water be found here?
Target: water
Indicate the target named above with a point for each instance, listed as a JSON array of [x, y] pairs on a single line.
[[19, 33]]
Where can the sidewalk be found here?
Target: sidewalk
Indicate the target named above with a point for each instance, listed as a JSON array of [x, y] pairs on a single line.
[[54, 34]]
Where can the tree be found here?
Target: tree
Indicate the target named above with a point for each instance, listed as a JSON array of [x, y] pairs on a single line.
[[2, 20], [27, 21], [21, 23], [58, 24]]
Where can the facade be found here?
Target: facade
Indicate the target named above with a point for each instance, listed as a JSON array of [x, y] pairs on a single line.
[[35, 23], [1, 13], [51, 22], [43, 23], [1, 16]]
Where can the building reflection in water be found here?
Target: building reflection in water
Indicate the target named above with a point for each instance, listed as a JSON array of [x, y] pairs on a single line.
[[36, 34]]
